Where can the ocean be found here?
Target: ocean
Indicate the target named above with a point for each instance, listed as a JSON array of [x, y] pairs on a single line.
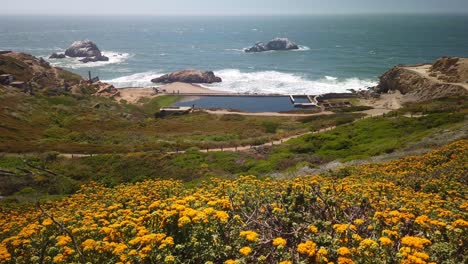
[[338, 52]]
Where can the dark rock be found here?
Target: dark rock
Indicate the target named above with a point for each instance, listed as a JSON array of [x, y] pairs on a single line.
[[188, 76], [57, 56], [274, 44], [83, 48], [94, 59]]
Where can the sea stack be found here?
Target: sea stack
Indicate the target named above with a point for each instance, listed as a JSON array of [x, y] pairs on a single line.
[[188, 76], [85, 49], [274, 44]]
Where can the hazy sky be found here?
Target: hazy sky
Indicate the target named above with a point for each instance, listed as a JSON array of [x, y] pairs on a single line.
[[229, 7]]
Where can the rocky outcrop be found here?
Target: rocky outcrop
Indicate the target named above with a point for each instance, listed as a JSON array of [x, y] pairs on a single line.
[[450, 69], [188, 76], [85, 49], [94, 59], [107, 90], [446, 77], [274, 44], [36, 72], [57, 56]]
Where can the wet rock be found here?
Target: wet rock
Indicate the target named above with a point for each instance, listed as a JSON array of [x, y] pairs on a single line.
[[188, 76], [274, 44]]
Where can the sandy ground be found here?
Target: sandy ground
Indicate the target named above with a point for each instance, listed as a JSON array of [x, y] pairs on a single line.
[[384, 104], [133, 95]]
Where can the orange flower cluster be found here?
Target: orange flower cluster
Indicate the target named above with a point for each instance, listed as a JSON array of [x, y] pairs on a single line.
[[412, 210]]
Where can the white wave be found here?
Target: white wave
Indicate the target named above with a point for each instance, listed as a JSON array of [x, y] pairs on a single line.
[[75, 63], [284, 83], [258, 82], [237, 50], [302, 48], [142, 79]]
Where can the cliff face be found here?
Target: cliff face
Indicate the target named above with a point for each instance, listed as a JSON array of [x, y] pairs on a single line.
[[446, 77]]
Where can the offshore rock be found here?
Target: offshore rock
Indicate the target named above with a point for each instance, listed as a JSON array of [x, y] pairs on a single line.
[[85, 49], [274, 44], [188, 76]]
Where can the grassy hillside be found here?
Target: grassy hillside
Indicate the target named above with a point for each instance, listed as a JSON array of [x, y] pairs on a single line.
[[86, 124], [359, 140], [412, 210]]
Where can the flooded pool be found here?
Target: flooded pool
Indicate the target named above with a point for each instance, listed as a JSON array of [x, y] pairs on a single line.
[[243, 103]]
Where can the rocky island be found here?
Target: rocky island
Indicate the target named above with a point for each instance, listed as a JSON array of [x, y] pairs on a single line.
[[85, 49], [274, 44], [188, 76]]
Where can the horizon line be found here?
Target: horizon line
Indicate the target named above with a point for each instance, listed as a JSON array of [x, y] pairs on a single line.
[[230, 14]]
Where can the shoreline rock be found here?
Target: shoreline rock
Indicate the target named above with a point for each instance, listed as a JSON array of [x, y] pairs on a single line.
[[94, 59], [57, 56], [274, 44], [188, 76]]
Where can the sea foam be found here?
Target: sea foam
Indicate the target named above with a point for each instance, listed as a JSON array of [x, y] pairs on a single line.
[[142, 79], [237, 81], [284, 83]]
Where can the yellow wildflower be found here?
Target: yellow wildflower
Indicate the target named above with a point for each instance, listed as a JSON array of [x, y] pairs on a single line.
[[313, 229], [63, 240], [184, 220], [249, 235], [307, 248], [245, 251], [386, 241], [343, 251], [279, 241]]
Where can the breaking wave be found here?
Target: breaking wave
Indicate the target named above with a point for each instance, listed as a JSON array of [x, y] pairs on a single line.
[[284, 83], [142, 79], [258, 82]]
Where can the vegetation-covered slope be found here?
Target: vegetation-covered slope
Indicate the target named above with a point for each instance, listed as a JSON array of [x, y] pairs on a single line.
[[360, 140], [412, 210]]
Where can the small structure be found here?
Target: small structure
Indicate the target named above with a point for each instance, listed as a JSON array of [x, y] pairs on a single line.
[[312, 102], [6, 79], [19, 85], [174, 110]]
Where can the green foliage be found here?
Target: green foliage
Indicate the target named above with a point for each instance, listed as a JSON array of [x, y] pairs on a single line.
[[354, 108], [372, 136], [443, 105], [270, 127]]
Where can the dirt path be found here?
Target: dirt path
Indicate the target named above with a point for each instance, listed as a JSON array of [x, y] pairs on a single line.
[[423, 71], [231, 149], [248, 147]]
